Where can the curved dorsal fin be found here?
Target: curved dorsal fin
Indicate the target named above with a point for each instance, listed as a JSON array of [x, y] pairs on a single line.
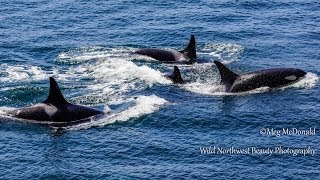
[[190, 50], [55, 95], [227, 76], [176, 76]]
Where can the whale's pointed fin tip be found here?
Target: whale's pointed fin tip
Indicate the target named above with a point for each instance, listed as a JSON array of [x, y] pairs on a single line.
[[227, 76], [190, 50], [176, 76], [55, 95]]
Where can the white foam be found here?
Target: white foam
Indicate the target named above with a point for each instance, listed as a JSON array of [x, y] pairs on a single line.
[[5, 110], [226, 53], [111, 71], [81, 55], [21, 73], [113, 77], [205, 89], [142, 105]]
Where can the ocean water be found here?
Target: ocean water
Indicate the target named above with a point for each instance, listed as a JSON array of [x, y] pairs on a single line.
[[155, 129]]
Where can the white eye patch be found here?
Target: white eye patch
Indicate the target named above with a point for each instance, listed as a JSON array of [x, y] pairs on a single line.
[[291, 78]]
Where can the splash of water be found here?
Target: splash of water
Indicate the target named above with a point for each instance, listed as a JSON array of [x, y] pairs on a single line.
[[142, 105]]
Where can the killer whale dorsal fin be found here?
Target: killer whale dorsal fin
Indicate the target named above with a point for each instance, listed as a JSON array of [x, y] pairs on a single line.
[[227, 76], [55, 95], [176, 76], [190, 50]]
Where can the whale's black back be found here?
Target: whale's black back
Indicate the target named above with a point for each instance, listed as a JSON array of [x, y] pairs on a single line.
[[55, 108], [272, 78], [160, 54], [186, 56]]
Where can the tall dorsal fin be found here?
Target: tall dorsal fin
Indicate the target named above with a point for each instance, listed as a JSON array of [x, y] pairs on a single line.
[[227, 76], [55, 95], [190, 50], [176, 76]]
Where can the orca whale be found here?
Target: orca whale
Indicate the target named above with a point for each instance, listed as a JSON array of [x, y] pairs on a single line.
[[186, 56], [56, 109], [272, 78], [175, 77]]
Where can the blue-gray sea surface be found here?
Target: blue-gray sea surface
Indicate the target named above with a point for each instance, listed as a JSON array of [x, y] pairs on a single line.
[[156, 129]]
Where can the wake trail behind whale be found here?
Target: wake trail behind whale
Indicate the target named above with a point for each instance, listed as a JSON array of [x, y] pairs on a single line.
[[142, 105]]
